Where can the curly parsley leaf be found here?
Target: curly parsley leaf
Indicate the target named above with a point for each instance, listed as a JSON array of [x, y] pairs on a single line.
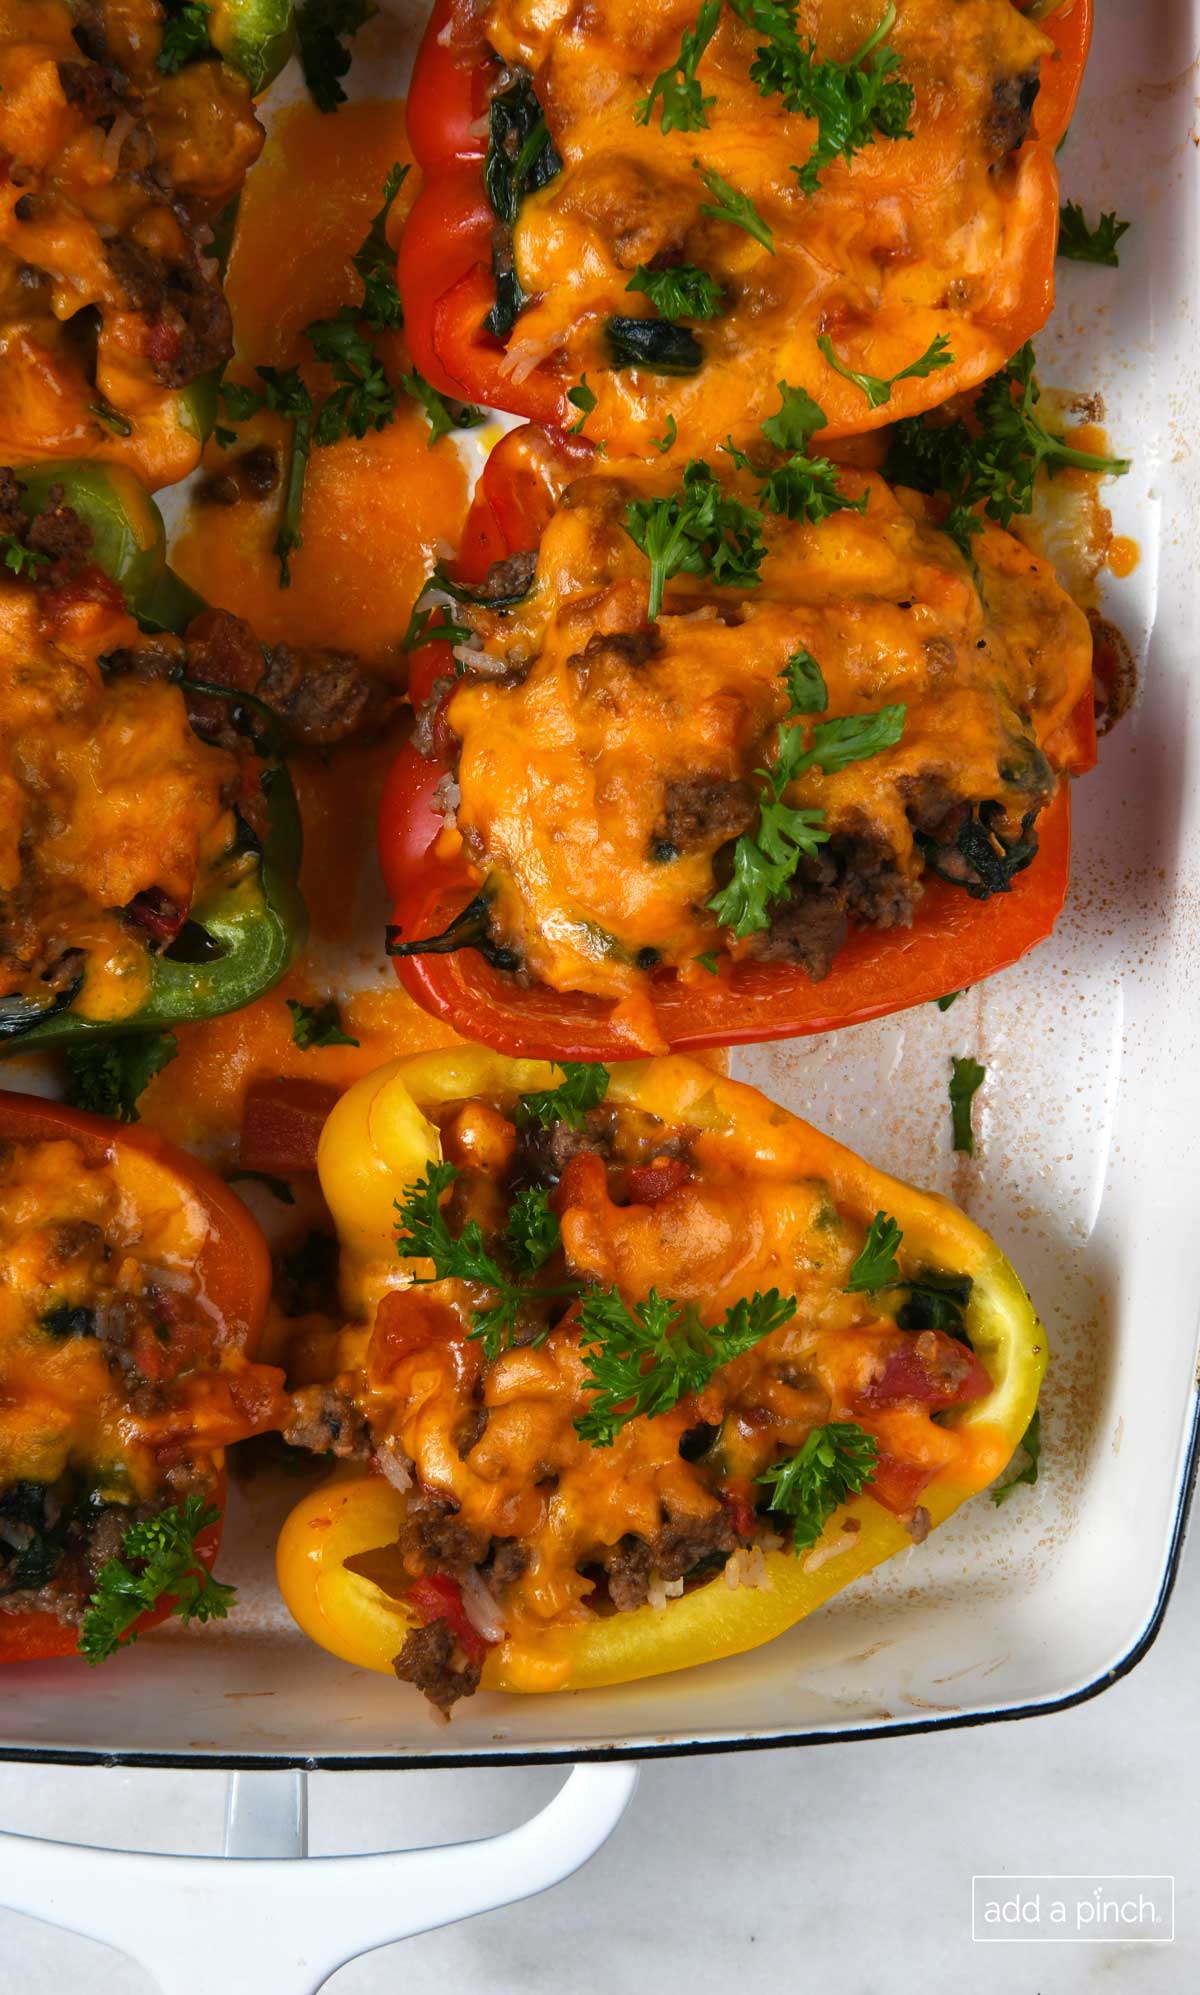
[[1080, 244], [185, 36], [583, 1086], [1031, 1447], [682, 292], [580, 397], [157, 1557], [323, 27], [852, 102], [375, 262], [642, 1361], [994, 462], [318, 1025], [944, 1003], [765, 861], [836, 1461], [805, 681], [802, 487], [532, 1233], [363, 398], [726, 204], [108, 1079], [878, 390], [22, 560], [699, 530], [443, 412], [676, 91], [432, 623], [664, 442], [877, 1266], [424, 1234], [966, 1078]]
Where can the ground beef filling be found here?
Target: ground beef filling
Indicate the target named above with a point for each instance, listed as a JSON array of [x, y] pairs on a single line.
[[433, 1661], [53, 1544]]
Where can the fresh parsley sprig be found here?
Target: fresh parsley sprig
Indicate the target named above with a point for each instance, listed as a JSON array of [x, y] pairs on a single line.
[[432, 623], [853, 102], [1080, 244], [323, 27], [966, 1078], [681, 292], [423, 1233], [676, 91], [109, 1079], [583, 398], [994, 461], [157, 1558], [185, 35], [699, 530], [444, 413], [584, 1085], [375, 262], [803, 486], [21, 560], [878, 390], [318, 1025], [726, 204], [836, 1461], [642, 1361], [532, 1234], [876, 1266], [765, 861]]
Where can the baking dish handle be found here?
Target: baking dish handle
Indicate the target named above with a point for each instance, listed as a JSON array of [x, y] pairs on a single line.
[[253, 1920]]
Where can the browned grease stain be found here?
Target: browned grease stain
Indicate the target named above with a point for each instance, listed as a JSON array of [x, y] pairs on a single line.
[[1114, 671], [376, 511]]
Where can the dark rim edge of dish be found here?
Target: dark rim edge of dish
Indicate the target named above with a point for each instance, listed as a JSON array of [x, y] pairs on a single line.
[[205, 1762]]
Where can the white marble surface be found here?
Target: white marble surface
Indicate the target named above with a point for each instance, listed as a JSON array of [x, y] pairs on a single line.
[[841, 1867]]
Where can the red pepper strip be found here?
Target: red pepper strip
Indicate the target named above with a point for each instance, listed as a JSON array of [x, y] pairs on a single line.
[[445, 267], [1069, 27], [437, 1597], [282, 1123], [954, 941]]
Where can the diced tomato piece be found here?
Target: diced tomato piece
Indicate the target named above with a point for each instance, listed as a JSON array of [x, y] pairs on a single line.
[[646, 1184], [437, 1597], [898, 1484], [932, 1368], [737, 1493]]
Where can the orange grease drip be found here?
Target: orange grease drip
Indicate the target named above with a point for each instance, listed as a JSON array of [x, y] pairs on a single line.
[[376, 511], [1123, 555]]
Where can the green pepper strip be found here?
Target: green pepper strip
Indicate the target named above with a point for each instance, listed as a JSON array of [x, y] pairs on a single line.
[[253, 36], [254, 924]]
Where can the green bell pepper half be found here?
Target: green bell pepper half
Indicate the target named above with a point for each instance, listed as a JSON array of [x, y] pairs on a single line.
[[251, 925]]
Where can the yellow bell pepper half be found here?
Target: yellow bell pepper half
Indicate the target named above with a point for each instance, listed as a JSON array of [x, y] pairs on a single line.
[[378, 1140]]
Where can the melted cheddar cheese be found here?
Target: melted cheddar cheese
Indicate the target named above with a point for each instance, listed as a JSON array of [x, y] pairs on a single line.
[[118, 1385], [948, 232], [110, 302], [106, 794], [498, 1475], [605, 771]]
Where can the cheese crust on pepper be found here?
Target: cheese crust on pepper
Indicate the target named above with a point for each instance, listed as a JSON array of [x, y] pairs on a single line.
[[111, 309], [530, 1525], [608, 766], [940, 225]]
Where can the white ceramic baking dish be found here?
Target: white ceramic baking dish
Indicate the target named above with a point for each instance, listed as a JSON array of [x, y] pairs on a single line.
[[1088, 1174]]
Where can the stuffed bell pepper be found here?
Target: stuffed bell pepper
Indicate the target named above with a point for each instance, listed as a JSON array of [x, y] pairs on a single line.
[[751, 748], [642, 1369], [149, 840], [126, 132], [133, 1286], [670, 208]]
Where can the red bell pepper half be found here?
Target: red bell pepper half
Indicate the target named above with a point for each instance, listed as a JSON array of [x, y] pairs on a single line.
[[445, 253], [954, 940]]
